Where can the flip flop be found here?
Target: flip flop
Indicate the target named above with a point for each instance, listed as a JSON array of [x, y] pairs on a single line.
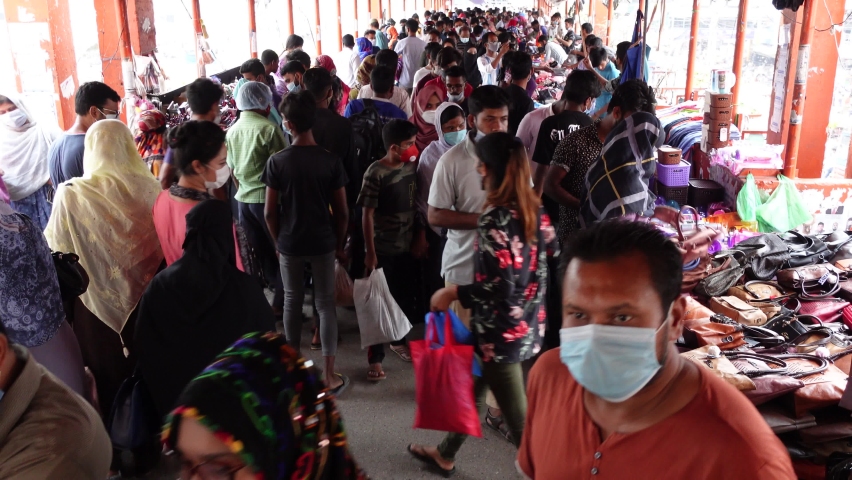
[[402, 352], [339, 390], [430, 462], [498, 425], [379, 376]]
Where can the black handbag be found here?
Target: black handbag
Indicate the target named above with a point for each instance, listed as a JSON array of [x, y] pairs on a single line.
[[765, 255], [134, 428], [840, 245], [804, 250], [719, 283], [73, 279]]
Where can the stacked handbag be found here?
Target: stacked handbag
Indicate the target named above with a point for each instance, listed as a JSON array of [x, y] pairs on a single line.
[[773, 318]]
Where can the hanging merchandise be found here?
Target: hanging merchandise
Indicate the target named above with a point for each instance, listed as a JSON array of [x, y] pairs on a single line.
[[784, 210], [634, 66], [748, 200]]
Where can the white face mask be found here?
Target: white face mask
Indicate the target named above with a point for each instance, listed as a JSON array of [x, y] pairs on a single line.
[[455, 97], [109, 116], [14, 119], [222, 176], [464, 39], [429, 116], [493, 46]]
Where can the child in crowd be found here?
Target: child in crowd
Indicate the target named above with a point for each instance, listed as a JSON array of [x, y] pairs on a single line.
[[393, 233]]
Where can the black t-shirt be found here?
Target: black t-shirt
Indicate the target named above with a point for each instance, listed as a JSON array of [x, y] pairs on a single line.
[[334, 133], [305, 177], [553, 129], [520, 104]]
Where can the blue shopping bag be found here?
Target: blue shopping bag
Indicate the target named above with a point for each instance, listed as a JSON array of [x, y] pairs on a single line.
[[461, 334]]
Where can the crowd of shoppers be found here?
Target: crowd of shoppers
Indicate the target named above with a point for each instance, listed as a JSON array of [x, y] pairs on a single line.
[[419, 150]]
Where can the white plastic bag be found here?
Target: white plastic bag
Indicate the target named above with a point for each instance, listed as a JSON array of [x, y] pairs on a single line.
[[379, 317], [343, 294]]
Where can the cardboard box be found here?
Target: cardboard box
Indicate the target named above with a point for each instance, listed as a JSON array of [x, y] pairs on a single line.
[[668, 155], [718, 99]]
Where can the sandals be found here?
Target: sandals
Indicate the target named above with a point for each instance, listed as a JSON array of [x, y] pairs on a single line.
[[432, 463], [498, 425], [402, 352], [376, 376], [340, 389]]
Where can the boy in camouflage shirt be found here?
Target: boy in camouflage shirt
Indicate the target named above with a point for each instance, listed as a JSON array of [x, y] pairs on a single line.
[[393, 234]]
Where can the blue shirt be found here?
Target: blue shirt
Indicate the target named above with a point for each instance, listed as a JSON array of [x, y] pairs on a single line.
[[387, 111], [609, 73], [65, 158]]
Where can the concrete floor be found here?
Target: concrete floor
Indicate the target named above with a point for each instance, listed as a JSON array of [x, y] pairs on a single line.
[[379, 417]]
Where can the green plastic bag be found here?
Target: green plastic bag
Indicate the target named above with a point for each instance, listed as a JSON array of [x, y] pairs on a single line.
[[784, 210], [748, 200]]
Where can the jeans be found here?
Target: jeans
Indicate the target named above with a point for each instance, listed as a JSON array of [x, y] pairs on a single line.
[[257, 233], [293, 276], [506, 380], [400, 273]]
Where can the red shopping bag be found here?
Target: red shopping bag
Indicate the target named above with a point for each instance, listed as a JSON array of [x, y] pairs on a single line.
[[444, 384]]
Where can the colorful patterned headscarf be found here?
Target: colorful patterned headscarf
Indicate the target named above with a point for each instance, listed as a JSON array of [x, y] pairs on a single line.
[[260, 399], [364, 71], [324, 61], [151, 139]]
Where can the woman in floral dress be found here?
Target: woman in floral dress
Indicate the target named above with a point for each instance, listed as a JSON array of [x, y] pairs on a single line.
[[514, 239]]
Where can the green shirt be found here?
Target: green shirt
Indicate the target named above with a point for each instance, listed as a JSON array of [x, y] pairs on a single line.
[[391, 191], [251, 141]]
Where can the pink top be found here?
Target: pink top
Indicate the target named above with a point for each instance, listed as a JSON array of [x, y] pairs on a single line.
[[170, 222]]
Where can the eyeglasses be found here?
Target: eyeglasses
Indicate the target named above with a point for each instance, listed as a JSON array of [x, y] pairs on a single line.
[[209, 470]]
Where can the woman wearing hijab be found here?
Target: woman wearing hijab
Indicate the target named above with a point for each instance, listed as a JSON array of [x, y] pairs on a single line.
[[105, 218], [362, 77], [259, 413], [197, 307], [24, 144], [151, 139], [365, 47], [324, 61], [30, 299], [423, 117]]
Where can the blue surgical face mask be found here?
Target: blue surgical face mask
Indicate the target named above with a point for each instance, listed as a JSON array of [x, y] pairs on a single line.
[[292, 87], [613, 363], [455, 138]]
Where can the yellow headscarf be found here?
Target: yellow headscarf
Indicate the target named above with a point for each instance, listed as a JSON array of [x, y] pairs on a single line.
[[105, 218]]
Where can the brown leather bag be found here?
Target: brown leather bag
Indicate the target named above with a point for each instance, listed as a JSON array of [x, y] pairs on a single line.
[[822, 389], [699, 333], [696, 311], [812, 281], [770, 387], [721, 367], [739, 310], [763, 295]]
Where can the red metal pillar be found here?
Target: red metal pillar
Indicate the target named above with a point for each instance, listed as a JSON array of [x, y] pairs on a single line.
[[292, 19], [339, 26], [319, 27], [609, 8], [43, 55], [252, 30], [642, 6], [739, 53], [355, 8], [390, 2], [791, 153], [199, 36], [693, 47], [128, 76]]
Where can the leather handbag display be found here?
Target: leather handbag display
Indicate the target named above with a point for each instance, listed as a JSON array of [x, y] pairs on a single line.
[[770, 387], [804, 250], [760, 294], [721, 366], [765, 255], [738, 310], [824, 382], [726, 277], [700, 333], [840, 244], [828, 310], [812, 281]]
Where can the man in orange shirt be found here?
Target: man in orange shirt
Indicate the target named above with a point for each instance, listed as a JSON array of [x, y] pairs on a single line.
[[616, 400]]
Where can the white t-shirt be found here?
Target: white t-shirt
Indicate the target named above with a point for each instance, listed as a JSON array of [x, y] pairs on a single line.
[[410, 49], [487, 70], [530, 125], [400, 98], [420, 74], [456, 185], [347, 63]]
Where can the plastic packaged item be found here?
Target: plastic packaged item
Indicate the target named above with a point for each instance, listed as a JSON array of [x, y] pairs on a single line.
[[379, 317], [784, 210], [748, 200]]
